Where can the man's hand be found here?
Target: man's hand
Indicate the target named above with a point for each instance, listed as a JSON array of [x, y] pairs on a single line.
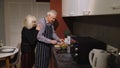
[[53, 42], [61, 41]]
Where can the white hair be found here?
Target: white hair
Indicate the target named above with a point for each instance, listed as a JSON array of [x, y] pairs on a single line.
[[52, 12], [28, 22]]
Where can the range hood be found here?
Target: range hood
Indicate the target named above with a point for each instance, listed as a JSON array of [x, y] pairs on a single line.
[[106, 20]]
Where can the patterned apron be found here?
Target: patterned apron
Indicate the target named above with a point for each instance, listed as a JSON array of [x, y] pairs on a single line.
[[43, 50]]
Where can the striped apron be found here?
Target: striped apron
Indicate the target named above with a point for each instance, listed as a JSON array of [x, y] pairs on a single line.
[[43, 50]]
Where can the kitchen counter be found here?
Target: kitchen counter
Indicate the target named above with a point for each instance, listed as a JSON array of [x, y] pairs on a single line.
[[78, 57], [65, 60]]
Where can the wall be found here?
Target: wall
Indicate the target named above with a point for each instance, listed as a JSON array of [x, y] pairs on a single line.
[[105, 28], [2, 36], [57, 5], [15, 12]]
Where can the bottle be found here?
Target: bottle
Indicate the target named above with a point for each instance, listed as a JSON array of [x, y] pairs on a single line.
[[68, 49], [68, 39]]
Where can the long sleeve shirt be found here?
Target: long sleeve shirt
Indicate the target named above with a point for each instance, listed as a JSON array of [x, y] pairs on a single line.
[[43, 22], [29, 39]]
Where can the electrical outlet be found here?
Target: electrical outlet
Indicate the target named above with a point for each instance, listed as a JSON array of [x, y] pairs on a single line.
[[112, 50]]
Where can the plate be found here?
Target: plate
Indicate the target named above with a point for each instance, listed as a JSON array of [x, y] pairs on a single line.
[[7, 50]]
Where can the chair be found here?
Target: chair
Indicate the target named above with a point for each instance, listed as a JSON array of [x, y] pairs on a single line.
[[15, 59]]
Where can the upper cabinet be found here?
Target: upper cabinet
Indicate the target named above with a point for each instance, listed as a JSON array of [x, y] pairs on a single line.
[[90, 7], [75, 7], [102, 7]]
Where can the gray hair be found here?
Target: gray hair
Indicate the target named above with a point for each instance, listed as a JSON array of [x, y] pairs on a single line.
[[52, 12], [28, 22]]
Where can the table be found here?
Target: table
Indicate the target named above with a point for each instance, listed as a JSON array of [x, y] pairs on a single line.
[[6, 56]]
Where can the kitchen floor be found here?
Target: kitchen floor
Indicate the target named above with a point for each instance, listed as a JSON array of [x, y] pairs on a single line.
[[2, 64]]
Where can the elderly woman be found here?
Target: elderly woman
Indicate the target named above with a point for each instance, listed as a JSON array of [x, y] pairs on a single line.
[[29, 39]]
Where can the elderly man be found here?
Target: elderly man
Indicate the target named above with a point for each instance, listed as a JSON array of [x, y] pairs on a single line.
[[46, 39]]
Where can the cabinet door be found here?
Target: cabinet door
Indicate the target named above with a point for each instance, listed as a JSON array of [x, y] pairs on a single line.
[[75, 7], [90, 7], [67, 7], [101, 7], [83, 7]]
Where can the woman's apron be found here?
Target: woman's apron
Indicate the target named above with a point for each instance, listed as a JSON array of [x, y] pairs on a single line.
[[43, 50]]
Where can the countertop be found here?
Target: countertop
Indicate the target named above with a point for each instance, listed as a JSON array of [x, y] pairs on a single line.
[[65, 60]]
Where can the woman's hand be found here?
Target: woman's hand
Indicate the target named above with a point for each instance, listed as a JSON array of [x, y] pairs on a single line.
[[38, 27]]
